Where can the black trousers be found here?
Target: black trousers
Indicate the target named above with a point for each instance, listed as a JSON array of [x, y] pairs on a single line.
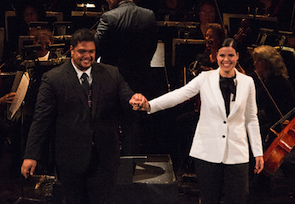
[[94, 186], [217, 178]]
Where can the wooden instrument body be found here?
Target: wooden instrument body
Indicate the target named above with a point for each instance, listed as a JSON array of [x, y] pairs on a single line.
[[279, 148]]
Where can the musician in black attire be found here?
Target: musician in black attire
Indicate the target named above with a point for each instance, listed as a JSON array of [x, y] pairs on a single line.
[[126, 37], [273, 73], [214, 36]]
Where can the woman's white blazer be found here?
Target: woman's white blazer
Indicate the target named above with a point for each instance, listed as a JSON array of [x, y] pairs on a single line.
[[218, 138]]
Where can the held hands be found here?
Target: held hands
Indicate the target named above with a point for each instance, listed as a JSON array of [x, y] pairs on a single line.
[[139, 102], [259, 164], [28, 167]]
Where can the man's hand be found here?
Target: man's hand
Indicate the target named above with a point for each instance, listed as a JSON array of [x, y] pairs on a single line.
[[139, 102], [259, 164], [8, 98], [28, 167]]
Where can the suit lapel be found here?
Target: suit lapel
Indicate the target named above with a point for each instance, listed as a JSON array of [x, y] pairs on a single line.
[[214, 81], [97, 78], [74, 81]]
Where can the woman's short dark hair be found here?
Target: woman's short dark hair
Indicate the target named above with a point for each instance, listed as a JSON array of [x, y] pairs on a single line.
[[230, 42], [82, 35]]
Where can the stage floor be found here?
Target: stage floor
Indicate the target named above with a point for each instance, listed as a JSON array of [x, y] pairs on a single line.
[[182, 188]]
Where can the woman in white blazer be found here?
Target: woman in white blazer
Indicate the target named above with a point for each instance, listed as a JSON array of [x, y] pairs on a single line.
[[228, 118]]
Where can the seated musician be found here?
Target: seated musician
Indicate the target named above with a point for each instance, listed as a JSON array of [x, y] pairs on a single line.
[[272, 76], [215, 34], [44, 38], [207, 13], [4, 100]]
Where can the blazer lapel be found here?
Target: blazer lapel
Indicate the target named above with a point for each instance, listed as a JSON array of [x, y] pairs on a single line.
[[239, 89], [217, 92]]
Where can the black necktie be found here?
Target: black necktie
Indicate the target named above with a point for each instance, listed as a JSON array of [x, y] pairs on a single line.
[[87, 89], [85, 84]]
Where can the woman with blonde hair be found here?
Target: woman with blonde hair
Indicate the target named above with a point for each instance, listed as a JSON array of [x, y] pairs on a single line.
[[268, 62], [273, 87], [43, 37], [275, 98]]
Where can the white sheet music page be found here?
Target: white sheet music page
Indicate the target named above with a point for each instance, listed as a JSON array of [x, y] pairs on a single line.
[[20, 94]]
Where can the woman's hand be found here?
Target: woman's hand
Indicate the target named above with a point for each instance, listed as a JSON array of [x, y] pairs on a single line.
[[259, 164]]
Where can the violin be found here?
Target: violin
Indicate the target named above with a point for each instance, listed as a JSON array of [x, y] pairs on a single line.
[[242, 31]]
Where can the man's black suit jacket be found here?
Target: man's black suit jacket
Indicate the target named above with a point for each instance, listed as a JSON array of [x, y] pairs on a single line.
[[62, 102], [126, 37]]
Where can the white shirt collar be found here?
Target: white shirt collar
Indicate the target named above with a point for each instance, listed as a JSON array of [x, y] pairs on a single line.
[[79, 72]]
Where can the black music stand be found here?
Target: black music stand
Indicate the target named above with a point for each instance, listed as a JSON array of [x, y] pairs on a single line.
[[62, 28]]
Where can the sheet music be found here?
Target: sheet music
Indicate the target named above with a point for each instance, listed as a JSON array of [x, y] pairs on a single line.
[[20, 94], [159, 56]]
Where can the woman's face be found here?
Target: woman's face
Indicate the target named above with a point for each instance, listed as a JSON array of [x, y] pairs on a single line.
[[44, 41], [211, 38], [30, 15], [171, 4], [261, 66], [207, 14], [227, 58]]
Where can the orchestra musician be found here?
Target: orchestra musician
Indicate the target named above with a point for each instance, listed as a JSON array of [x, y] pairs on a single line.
[[275, 98], [126, 37], [4, 100], [214, 37], [43, 37], [207, 13], [272, 71], [27, 12]]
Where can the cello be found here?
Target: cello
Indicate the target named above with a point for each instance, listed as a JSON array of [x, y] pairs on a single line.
[[281, 145]]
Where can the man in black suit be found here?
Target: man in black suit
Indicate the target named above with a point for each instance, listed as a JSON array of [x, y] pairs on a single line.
[[85, 122], [126, 37]]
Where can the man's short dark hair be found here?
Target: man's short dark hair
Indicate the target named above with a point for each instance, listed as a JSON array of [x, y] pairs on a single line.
[[82, 35]]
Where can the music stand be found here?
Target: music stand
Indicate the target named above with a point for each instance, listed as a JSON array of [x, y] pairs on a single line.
[[62, 28], [184, 51]]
